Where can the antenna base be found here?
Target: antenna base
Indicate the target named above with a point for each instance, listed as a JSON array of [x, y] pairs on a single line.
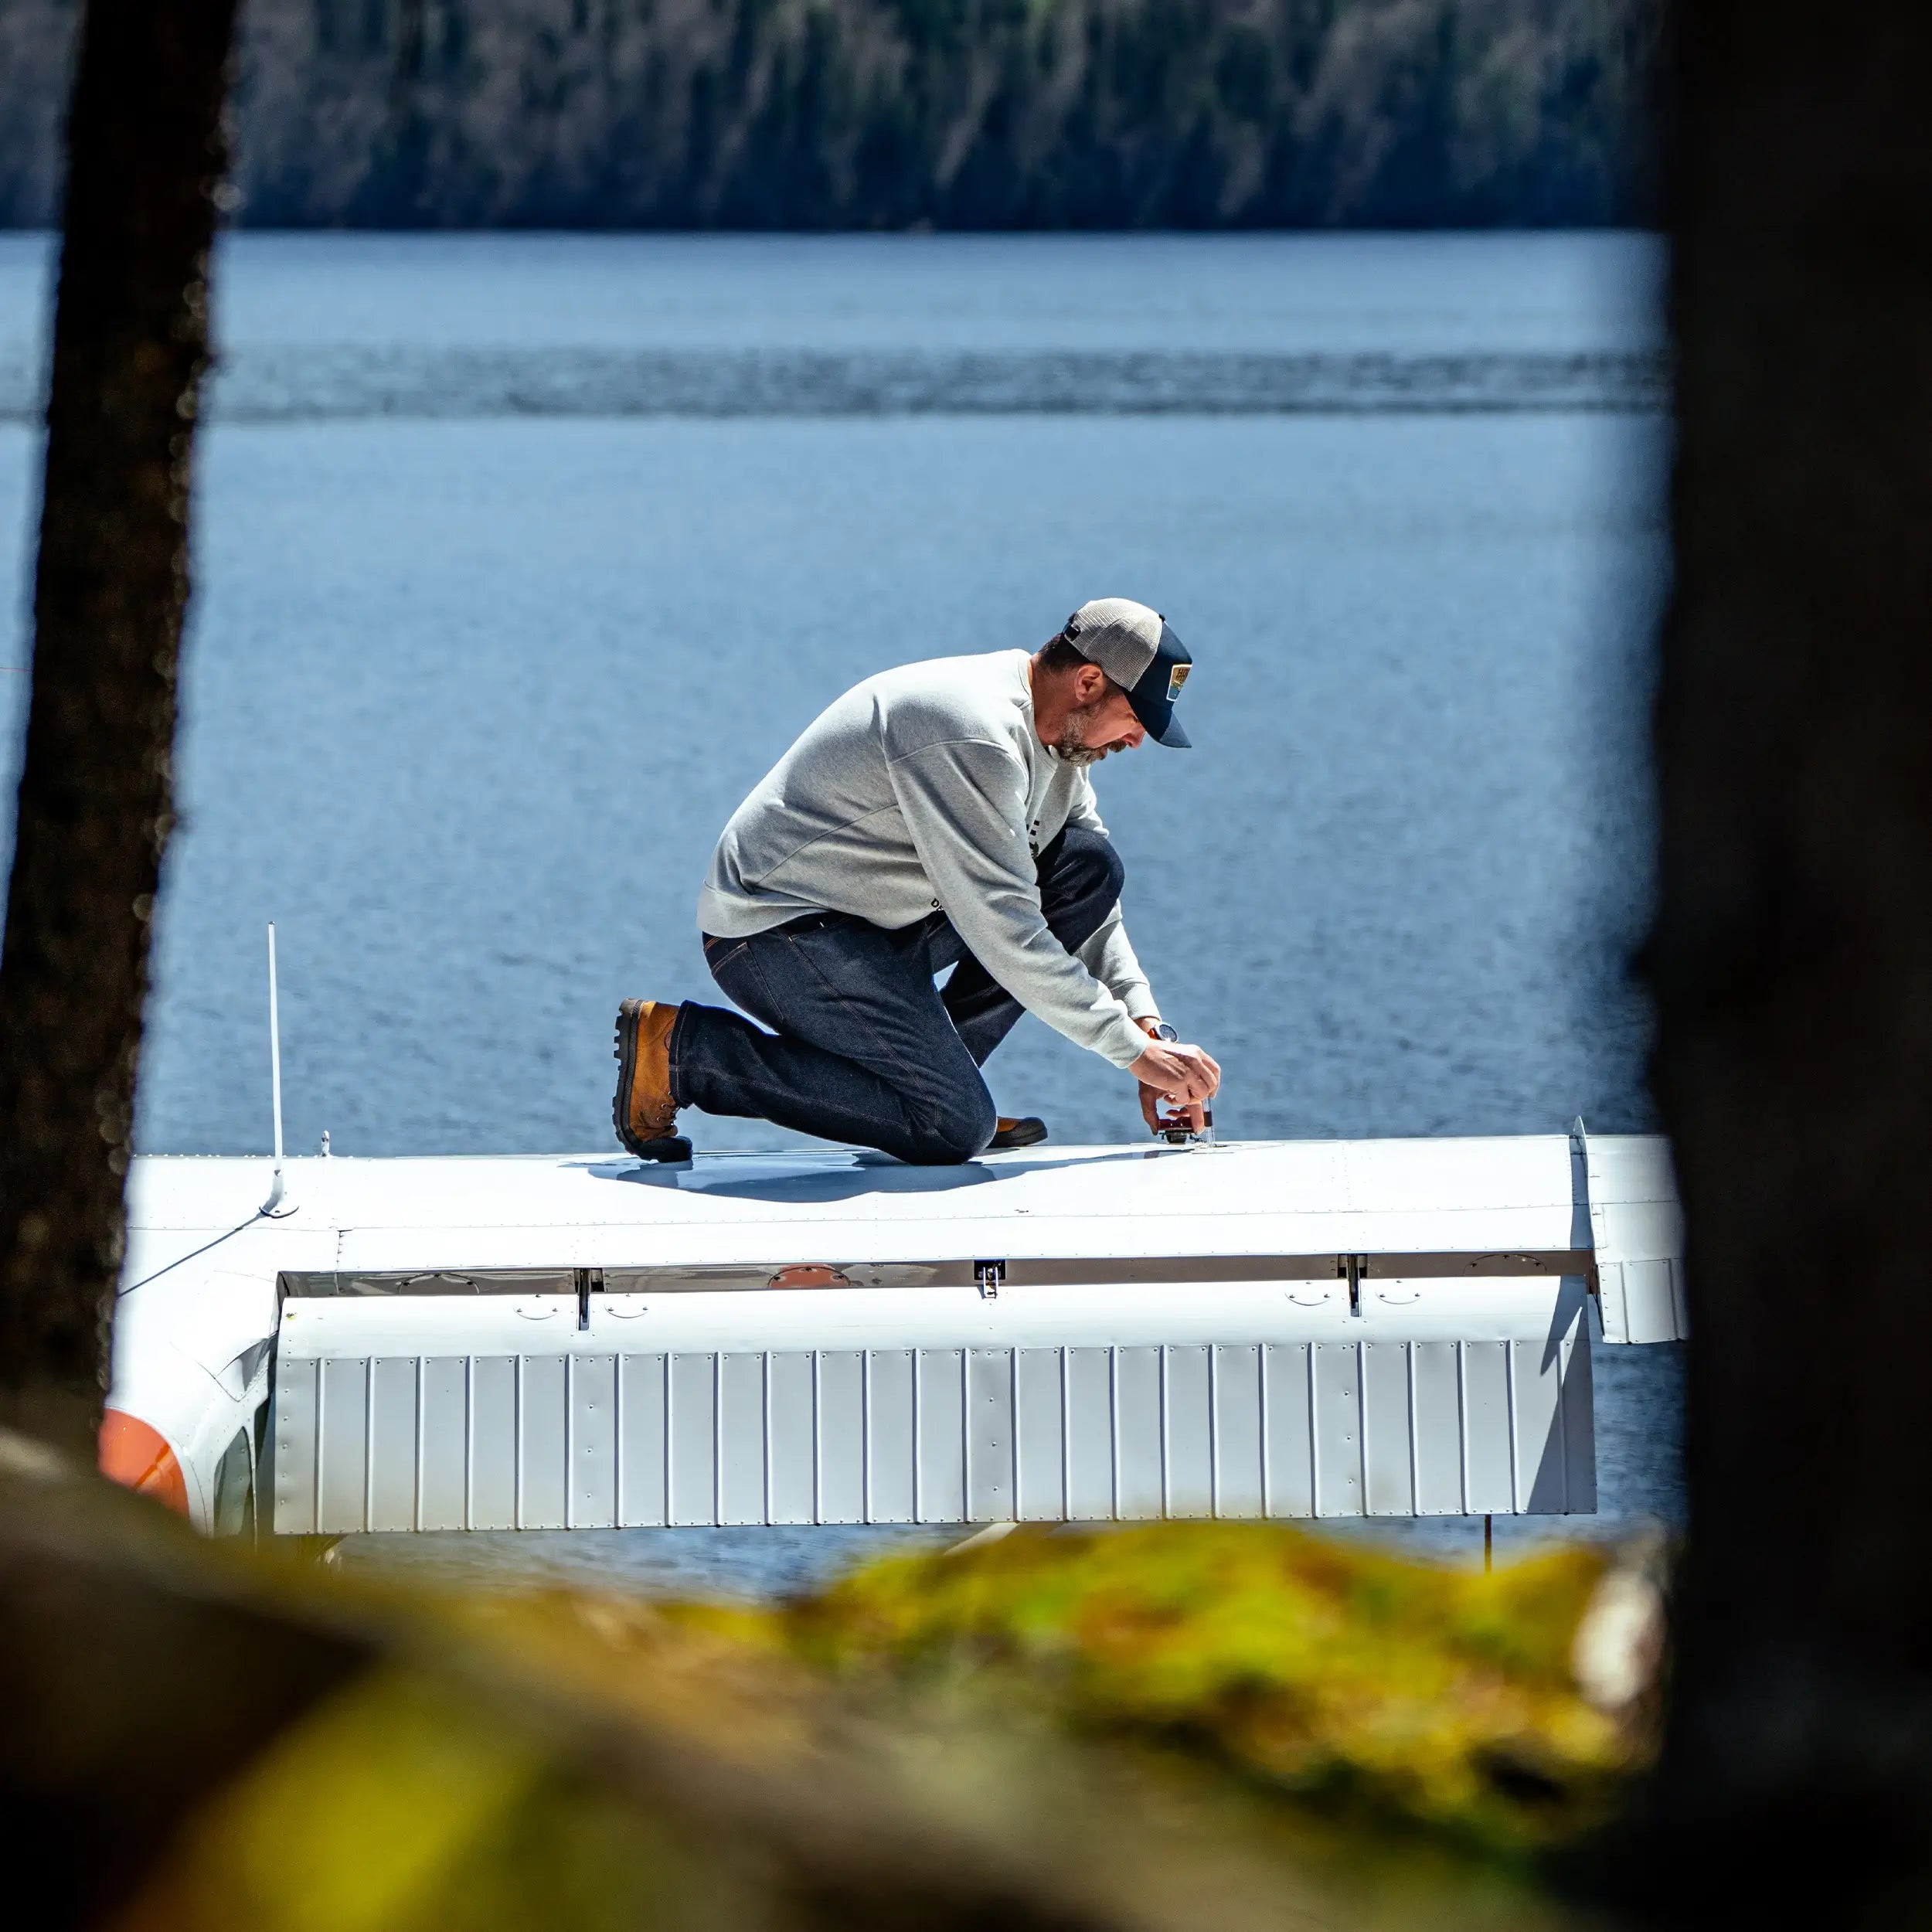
[[278, 1204]]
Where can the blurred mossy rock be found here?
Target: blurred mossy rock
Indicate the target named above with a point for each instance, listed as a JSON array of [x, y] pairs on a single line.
[[1474, 1706], [195, 1737]]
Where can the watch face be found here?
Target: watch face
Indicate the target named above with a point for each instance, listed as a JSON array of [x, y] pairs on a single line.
[[1163, 1031]]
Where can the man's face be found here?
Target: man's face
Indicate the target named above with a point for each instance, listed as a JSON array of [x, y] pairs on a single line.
[[1102, 721]]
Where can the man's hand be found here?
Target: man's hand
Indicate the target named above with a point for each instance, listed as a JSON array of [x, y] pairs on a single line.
[[1185, 1076]]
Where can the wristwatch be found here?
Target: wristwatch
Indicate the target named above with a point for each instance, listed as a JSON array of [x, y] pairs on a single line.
[[1163, 1031]]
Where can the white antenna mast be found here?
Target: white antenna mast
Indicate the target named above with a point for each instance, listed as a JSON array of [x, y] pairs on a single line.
[[274, 1206]]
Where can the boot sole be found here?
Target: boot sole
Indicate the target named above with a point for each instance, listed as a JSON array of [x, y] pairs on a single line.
[[667, 1147], [1027, 1132]]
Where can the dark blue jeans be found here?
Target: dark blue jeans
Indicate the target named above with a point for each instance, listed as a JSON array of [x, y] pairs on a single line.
[[864, 1047]]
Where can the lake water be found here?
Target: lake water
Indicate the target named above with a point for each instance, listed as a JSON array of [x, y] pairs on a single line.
[[521, 558]]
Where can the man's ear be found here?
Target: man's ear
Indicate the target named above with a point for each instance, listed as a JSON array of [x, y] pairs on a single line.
[[1089, 681]]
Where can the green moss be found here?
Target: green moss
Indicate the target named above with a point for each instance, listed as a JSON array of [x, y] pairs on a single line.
[[1399, 1691]]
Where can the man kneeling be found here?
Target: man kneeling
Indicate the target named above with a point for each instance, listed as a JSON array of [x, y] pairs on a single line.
[[938, 816]]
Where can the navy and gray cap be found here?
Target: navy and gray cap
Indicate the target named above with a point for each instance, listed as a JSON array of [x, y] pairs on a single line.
[[1134, 646]]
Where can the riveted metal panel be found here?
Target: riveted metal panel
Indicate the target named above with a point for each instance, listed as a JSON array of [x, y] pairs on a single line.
[[1288, 1370], [392, 1442], [741, 1439], [1580, 1426], [442, 1484], [643, 1465], [1610, 1296], [891, 1444], [1089, 1434], [1188, 1433], [544, 1410], [1638, 1230], [292, 1421], [842, 1436], [989, 1435], [941, 1419], [1637, 1227], [493, 1442], [343, 1448], [1268, 1211], [1650, 1307], [691, 1429], [793, 1436], [1438, 1424], [1039, 1426], [1680, 1307], [1388, 1447], [1338, 1429], [394, 1218], [1137, 1485], [1397, 1416], [1237, 1431], [1489, 1448], [593, 1442], [1542, 1480]]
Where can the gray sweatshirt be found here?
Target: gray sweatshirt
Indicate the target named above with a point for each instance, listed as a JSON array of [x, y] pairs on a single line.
[[926, 789]]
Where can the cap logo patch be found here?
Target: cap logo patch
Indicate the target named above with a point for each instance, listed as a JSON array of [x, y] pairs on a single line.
[[1175, 678]]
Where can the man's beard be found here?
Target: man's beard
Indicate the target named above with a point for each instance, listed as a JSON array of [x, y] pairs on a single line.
[[1072, 746]]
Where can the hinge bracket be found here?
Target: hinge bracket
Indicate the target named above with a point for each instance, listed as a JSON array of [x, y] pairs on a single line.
[[588, 1280], [1354, 1267]]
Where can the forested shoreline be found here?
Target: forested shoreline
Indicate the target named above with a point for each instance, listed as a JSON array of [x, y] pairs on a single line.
[[905, 114]]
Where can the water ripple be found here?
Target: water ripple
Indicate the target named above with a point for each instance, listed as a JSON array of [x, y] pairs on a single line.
[[292, 384]]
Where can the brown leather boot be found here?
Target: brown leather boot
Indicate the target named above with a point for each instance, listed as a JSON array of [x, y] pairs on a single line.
[[643, 1112], [1029, 1132]]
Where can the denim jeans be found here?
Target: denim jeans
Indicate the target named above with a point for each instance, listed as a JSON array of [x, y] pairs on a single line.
[[864, 1047]]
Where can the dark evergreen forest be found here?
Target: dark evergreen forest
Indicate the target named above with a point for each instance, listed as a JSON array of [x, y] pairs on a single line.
[[900, 113]]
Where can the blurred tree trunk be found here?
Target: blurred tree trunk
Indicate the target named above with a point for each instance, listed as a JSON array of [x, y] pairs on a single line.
[[1793, 958], [146, 154]]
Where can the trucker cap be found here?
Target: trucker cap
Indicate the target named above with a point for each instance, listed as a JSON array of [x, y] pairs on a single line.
[[1134, 646]]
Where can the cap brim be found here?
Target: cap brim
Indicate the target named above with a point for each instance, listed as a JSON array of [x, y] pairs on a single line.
[[1169, 734], [1153, 698]]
